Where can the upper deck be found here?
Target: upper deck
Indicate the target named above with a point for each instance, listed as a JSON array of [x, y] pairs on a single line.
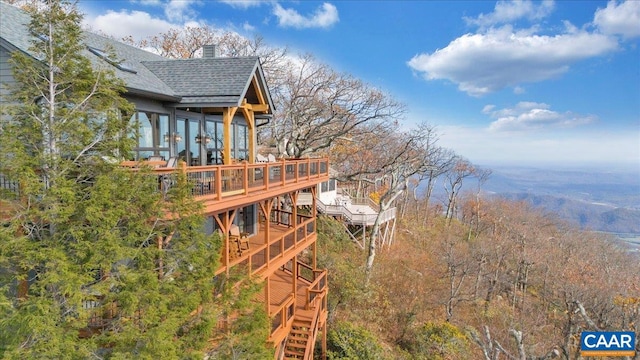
[[224, 187]]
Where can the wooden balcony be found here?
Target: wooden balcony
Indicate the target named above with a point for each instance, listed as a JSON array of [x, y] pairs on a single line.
[[269, 250], [223, 187]]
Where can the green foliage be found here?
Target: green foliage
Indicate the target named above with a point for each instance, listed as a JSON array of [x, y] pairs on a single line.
[[110, 274], [351, 342], [336, 254], [439, 341], [245, 321]]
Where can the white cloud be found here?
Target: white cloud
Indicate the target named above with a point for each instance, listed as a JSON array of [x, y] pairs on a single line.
[[620, 19], [509, 11], [483, 146], [180, 10], [248, 27], [243, 4], [527, 116], [149, 2], [501, 57], [323, 17], [123, 23]]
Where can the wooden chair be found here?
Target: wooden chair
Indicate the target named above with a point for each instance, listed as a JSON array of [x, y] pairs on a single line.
[[239, 238]]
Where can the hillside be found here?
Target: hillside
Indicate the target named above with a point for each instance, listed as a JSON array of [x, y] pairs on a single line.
[[588, 216], [514, 278], [592, 199]]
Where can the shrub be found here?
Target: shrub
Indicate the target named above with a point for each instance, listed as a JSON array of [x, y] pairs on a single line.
[[351, 342]]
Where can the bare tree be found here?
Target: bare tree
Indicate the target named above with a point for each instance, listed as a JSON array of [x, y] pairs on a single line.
[[460, 170], [392, 159], [442, 160], [186, 43], [318, 106]]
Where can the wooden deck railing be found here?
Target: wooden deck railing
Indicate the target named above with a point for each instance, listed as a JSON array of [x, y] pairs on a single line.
[[270, 254], [219, 181], [317, 280], [355, 217], [316, 301], [282, 317]]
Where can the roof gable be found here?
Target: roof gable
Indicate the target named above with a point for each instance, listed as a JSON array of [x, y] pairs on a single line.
[[216, 81], [212, 77]]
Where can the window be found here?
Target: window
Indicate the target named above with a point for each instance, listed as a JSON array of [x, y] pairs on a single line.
[[328, 185], [242, 151], [239, 140], [148, 129]]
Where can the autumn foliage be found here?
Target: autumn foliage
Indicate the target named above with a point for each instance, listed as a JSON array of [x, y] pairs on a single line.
[[502, 280]]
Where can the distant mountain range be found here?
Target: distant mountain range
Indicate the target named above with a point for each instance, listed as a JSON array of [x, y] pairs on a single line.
[[592, 199]]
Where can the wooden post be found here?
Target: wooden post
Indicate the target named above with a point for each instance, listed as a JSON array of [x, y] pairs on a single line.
[[227, 117]]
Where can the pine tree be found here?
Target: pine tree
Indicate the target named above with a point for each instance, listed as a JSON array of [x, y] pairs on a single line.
[[91, 264]]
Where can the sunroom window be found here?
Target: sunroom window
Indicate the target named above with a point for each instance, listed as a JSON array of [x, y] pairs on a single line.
[[149, 128]]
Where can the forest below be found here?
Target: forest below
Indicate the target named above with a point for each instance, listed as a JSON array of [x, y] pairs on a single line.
[[469, 278], [502, 281]]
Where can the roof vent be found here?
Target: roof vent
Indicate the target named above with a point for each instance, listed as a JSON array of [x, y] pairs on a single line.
[[209, 51]]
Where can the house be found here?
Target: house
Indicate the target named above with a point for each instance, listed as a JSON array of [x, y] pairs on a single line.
[[205, 112]]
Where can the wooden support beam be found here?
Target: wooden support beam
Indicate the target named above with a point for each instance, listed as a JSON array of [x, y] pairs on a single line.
[[224, 221], [267, 296], [294, 271], [249, 117], [266, 207], [259, 94], [255, 107], [227, 117]]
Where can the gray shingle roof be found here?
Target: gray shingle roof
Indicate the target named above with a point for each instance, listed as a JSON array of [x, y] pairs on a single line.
[[14, 29], [204, 80], [210, 81], [13, 26]]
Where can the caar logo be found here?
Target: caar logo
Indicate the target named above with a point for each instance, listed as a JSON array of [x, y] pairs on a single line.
[[608, 343]]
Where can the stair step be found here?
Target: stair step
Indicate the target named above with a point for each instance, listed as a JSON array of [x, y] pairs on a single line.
[[299, 332], [291, 352], [303, 323], [301, 328], [296, 345], [298, 338]]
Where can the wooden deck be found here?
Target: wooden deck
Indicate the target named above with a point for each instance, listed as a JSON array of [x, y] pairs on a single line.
[[281, 283], [223, 187], [267, 254]]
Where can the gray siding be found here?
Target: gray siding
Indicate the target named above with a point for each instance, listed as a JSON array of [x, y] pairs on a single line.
[[143, 104], [5, 74]]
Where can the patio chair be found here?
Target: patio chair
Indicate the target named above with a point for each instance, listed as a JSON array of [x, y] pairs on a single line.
[[239, 238], [261, 159], [172, 162], [167, 180], [156, 161]]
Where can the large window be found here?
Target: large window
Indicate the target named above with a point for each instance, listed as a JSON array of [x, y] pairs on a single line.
[[149, 130], [242, 146], [239, 140], [329, 185]]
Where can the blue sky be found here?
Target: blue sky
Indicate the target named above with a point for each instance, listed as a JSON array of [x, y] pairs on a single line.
[[530, 83]]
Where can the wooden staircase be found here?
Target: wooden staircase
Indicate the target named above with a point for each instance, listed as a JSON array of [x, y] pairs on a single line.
[[296, 345]]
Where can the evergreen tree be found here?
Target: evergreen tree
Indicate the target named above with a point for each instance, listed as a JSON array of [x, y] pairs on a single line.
[[91, 264]]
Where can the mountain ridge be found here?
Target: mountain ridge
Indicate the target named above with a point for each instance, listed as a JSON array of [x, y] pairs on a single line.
[[598, 200]]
